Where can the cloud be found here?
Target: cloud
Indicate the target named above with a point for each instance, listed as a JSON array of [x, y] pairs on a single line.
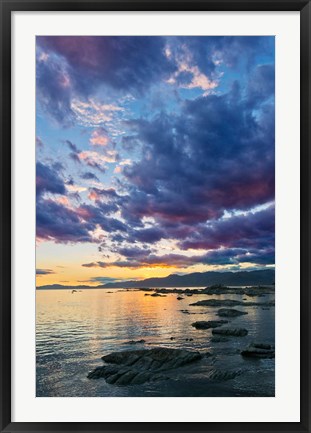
[[72, 146], [99, 137], [254, 230], [44, 271], [103, 280], [75, 157], [98, 160], [74, 67], [56, 222], [92, 112], [39, 142], [89, 176], [215, 156], [218, 257], [201, 175], [48, 180]]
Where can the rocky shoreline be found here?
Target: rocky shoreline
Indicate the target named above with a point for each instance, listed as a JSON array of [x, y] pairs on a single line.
[[136, 367]]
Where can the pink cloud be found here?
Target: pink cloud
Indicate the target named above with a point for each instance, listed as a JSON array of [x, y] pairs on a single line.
[[99, 137]]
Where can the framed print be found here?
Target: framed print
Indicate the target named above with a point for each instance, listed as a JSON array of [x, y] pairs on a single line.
[[155, 216]]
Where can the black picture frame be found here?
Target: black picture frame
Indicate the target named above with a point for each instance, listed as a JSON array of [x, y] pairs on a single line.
[[7, 7]]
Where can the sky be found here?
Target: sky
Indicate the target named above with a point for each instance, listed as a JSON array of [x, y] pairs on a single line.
[[154, 155]]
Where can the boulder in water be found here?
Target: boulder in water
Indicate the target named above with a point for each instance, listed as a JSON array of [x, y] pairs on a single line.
[[230, 312], [259, 350], [208, 324], [232, 332], [139, 366]]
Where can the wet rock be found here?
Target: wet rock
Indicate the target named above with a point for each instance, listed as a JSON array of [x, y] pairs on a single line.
[[233, 332], [224, 375], [229, 303], [230, 312], [179, 298], [157, 295], [140, 366], [259, 350], [135, 342], [219, 339], [185, 311], [208, 324]]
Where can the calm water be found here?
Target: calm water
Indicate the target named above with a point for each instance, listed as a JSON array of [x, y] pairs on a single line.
[[74, 331]]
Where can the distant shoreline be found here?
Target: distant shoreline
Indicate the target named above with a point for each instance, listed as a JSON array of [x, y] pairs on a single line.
[[197, 279]]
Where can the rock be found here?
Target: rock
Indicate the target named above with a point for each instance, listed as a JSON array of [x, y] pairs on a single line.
[[229, 303], [172, 338], [208, 324], [157, 295], [224, 375], [179, 298], [258, 350], [219, 339], [229, 312], [185, 311], [147, 294], [233, 332], [135, 342], [140, 366], [73, 291]]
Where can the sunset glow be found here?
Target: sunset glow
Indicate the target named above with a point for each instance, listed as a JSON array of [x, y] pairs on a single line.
[[155, 155]]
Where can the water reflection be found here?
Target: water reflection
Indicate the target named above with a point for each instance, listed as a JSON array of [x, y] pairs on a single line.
[[74, 330]]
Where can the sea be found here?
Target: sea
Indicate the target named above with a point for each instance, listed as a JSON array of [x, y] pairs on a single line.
[[75, 329]]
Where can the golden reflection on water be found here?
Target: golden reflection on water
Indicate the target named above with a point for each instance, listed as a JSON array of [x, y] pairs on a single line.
[[73, 330]]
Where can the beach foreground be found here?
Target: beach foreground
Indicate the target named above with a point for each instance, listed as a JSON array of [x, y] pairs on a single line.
[[156, 342]]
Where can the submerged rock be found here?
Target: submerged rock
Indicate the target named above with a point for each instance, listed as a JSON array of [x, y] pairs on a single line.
[[233, 332], [224, 375], [219, 339], [229, 312], [139, 366], [258, 350], [135, 342], [185, 311], [208, 324]]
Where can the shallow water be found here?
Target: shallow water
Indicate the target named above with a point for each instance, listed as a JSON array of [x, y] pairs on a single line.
[[73, 332]]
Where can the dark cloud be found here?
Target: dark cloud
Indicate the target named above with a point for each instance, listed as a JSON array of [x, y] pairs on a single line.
[[75, 157], [53, 90], [216, 155], [89, 176], [194, 167], [48, 180], [218, 257], [129, 63], [254, 230], [72, 146], [77, 65], [44, 271], [58, 223]]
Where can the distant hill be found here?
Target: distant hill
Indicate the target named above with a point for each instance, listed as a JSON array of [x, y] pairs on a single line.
[[196, 279]]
